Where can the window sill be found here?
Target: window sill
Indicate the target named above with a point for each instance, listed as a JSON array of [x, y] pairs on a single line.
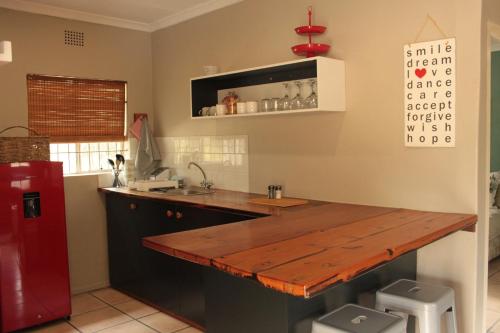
[[97, 173]]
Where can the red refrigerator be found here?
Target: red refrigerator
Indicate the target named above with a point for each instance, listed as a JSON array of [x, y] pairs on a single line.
[[34, 276]]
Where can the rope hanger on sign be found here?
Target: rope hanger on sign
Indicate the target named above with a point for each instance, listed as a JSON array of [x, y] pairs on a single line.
[[430, 19]]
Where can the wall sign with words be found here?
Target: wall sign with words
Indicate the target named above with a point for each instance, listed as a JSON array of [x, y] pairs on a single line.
[[430, 93]]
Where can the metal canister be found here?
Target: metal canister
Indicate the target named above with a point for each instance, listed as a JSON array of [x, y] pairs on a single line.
[[271, 192]]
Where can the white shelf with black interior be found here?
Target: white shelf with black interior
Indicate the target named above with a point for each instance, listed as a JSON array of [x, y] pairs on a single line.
[[325, 76]]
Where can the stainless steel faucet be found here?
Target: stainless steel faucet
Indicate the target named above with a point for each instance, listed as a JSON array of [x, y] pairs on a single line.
[[204, 183]]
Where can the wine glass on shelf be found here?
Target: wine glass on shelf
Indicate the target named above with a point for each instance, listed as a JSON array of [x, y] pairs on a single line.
[[312, 100], [297, 101], [285, 103]]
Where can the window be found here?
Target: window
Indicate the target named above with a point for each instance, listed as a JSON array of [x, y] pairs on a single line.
[[86, 157], [85, 119]]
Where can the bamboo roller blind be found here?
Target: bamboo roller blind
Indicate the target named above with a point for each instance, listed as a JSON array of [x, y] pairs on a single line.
[[76, 110]]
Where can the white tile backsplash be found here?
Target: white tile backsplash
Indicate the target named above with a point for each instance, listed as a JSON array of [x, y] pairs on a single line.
[[224, 159]]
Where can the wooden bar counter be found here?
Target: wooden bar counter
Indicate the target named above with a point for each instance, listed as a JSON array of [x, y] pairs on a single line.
[[305, 251], [295, 260]]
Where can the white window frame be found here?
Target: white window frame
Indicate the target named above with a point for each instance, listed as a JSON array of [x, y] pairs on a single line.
[[74, 154]]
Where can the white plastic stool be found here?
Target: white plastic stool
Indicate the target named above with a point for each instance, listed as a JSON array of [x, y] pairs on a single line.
[[352, 318], [427, 302]]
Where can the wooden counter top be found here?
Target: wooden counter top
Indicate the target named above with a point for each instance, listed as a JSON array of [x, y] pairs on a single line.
[[220, 199], [302, 250]]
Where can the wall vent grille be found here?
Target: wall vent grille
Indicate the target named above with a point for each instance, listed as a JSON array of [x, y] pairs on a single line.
[[74, 38]]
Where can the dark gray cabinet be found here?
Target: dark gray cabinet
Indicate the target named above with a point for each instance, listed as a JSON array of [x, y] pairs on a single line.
[[170, 284], [133, 268]]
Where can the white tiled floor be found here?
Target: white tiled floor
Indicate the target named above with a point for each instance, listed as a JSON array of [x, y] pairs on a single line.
[[110, 311], [493, 311]]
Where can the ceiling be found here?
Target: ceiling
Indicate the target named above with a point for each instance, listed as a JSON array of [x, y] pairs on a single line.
[[145, 15]]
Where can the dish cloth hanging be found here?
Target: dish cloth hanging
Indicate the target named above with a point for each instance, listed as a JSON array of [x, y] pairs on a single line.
[[136, 127], [148, 157]]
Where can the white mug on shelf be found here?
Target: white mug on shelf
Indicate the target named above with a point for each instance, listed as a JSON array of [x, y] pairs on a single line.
[[252, 106], [241, 107], [213, 110], [205, 111], [221, 109]]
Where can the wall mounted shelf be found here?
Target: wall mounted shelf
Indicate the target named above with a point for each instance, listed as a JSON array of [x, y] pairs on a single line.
[[267, 81], [256, 114]]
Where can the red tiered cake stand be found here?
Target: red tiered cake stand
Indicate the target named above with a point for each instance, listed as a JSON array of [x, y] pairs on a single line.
[[310, 49]]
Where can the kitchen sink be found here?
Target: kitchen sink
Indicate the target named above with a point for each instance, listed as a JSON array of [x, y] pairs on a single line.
[[184, 191], [189, 191]]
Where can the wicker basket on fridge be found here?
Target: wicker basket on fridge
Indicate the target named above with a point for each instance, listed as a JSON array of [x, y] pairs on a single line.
[[22, 149]]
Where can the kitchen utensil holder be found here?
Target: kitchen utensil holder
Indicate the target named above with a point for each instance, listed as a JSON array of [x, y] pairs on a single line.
[[116, 178]]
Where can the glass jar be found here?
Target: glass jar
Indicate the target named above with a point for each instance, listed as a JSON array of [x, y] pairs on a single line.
[[230, 100]]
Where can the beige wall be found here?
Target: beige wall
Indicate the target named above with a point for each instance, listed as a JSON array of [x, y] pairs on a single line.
[[109, 53], [357, 156], [87, 236]]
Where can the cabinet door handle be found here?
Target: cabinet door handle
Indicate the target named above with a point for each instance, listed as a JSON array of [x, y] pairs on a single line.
[[170, 213], [178, 215], [132, 206]]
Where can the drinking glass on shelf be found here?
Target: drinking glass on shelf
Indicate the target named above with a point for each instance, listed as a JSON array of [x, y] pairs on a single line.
[[297, 101], [285, 103], [275, 102], [312, 100], [266, 105]]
